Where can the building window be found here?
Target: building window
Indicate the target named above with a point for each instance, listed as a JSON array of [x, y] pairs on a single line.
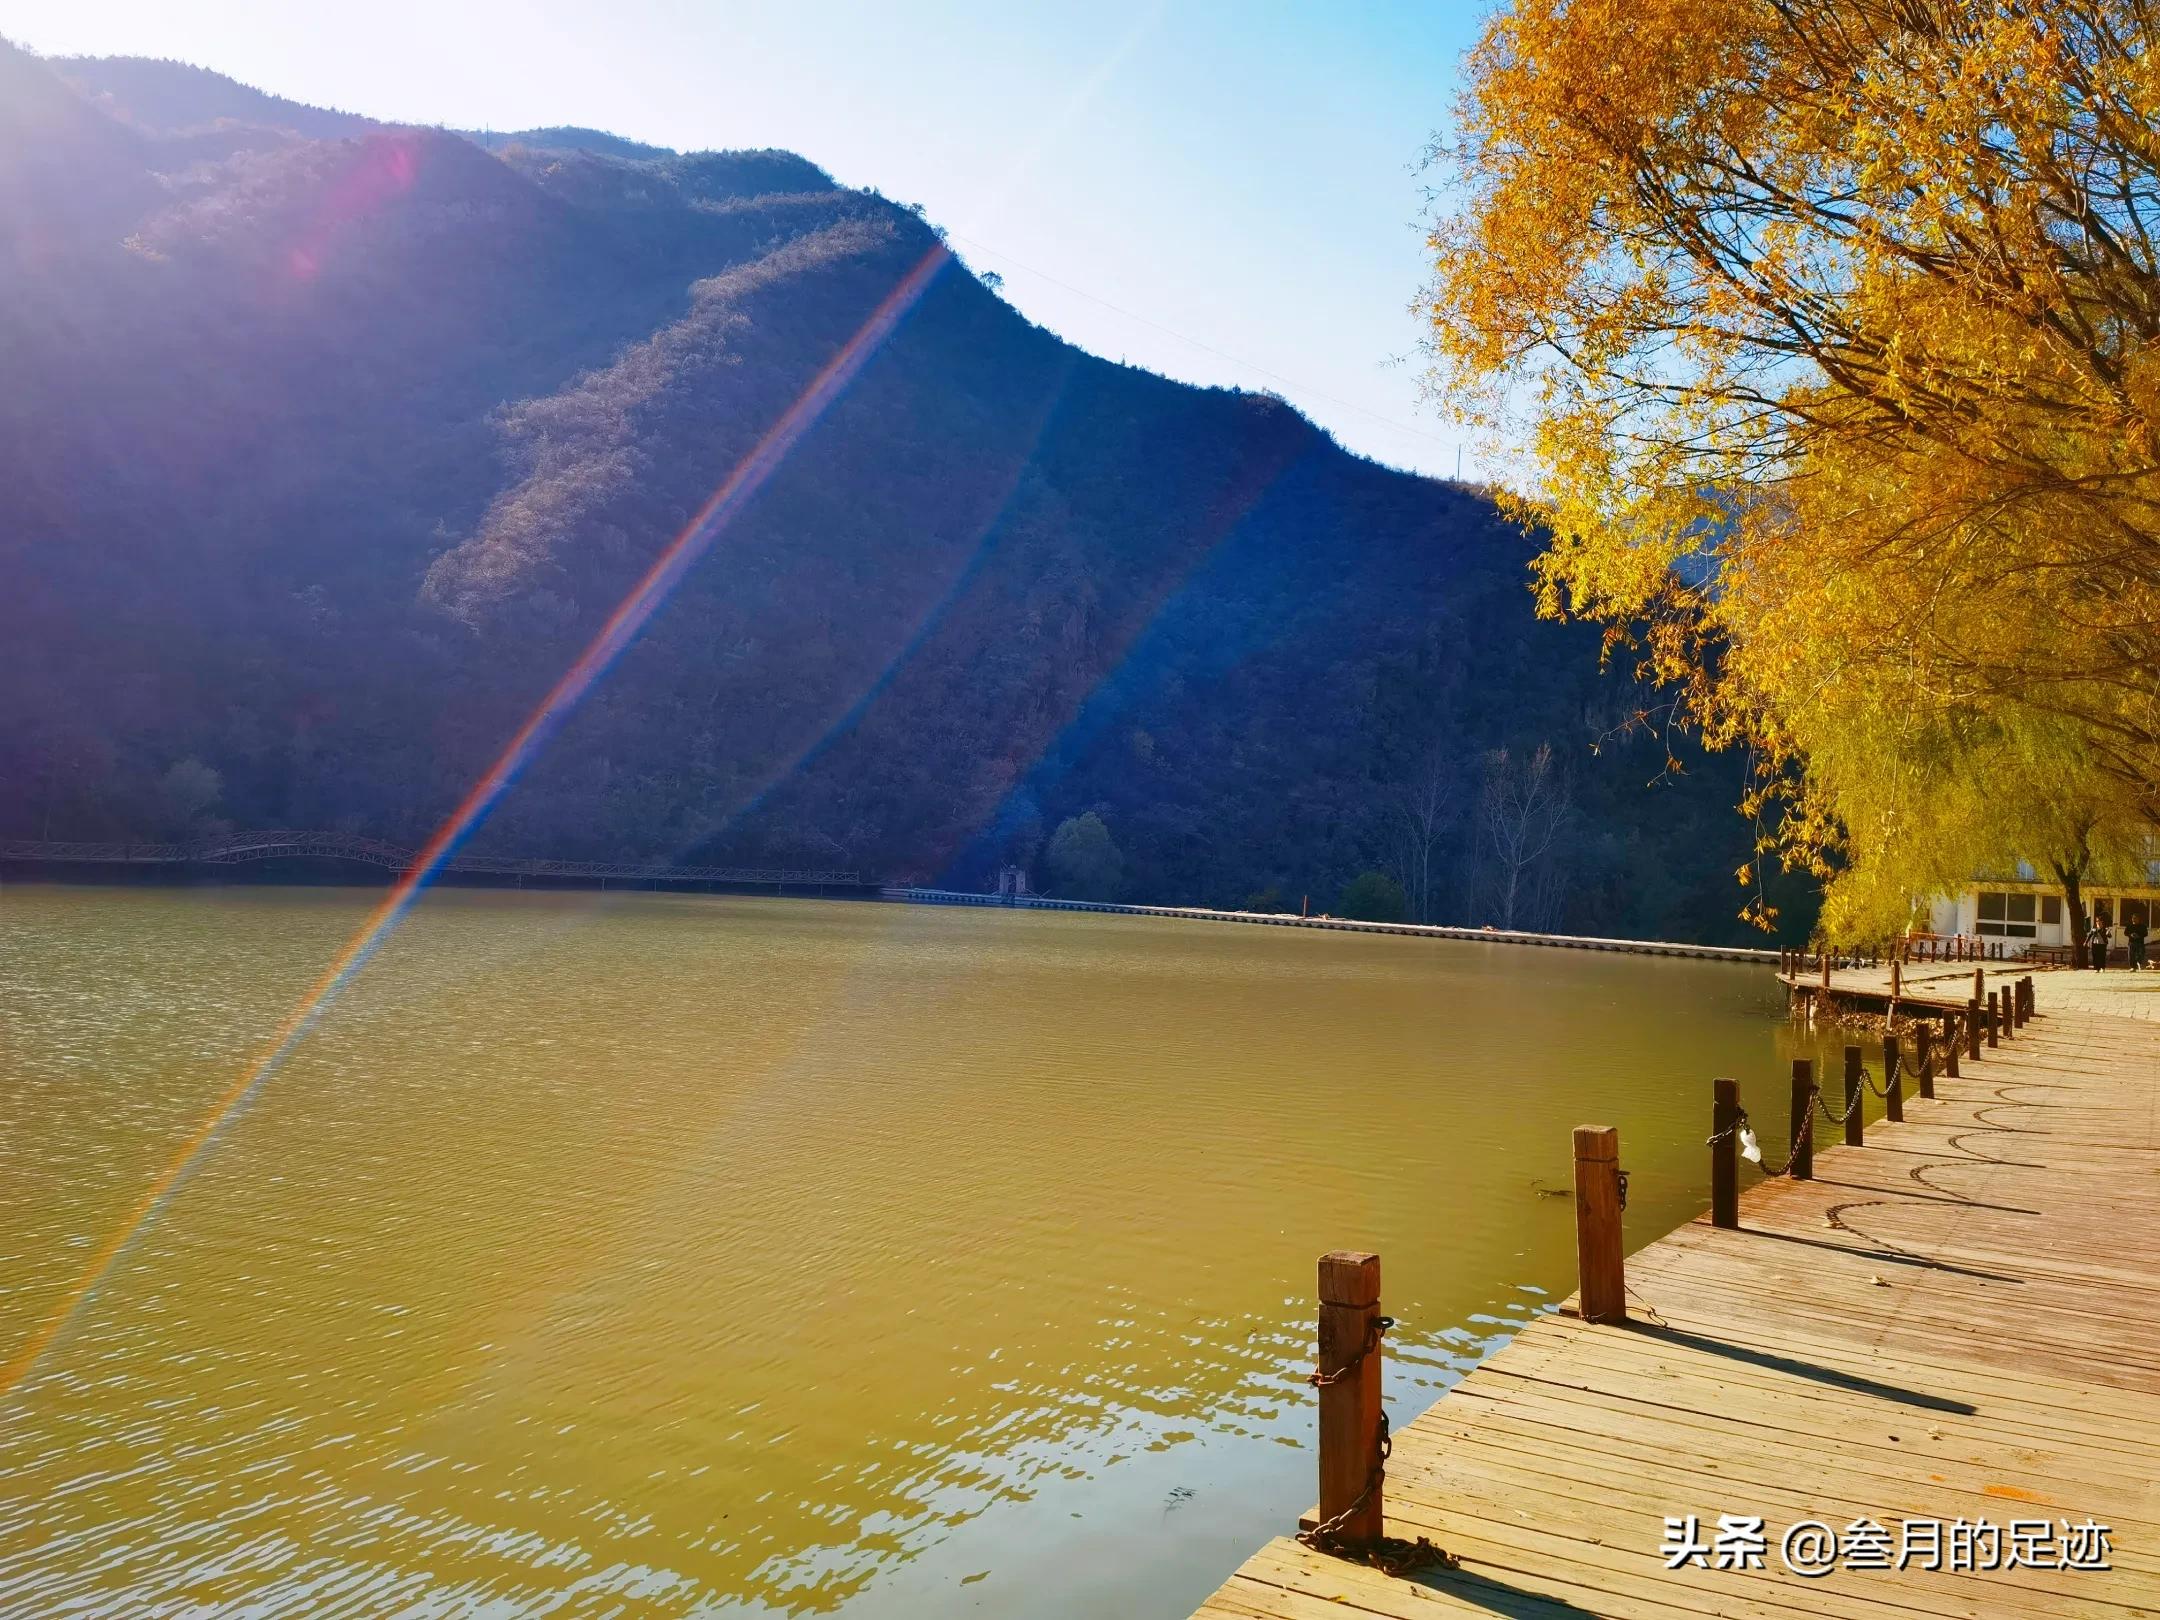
[[2011, 915]]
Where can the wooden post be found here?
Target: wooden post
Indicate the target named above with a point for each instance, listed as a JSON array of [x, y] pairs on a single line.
[[1855, 1126], [1826, 967], [2009, 1015], [1724, 1153], [1803, 1104], [1598, 1263], [1953, 1038], [1972, 1029], [1979, 983], [1924, 1058], [1988, 1013], [1897, 980], [2025, 999], [1893, 1079], [1350, 1406]]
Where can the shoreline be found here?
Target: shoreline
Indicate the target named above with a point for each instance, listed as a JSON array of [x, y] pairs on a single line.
[[279, 873]]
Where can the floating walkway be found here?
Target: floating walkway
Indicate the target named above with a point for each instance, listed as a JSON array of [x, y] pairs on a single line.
[[1277, 919], [1952, 1323]]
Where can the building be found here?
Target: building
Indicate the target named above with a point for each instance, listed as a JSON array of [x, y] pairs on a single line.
[[2024, 911]]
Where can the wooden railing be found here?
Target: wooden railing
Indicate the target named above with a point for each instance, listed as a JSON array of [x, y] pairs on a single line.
[[1904, 950]]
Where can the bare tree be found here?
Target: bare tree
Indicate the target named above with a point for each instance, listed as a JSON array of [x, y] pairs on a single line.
[[1523, 811], [1421, 807]]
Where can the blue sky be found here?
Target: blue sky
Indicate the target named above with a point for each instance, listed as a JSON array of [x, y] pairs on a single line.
[[1225, 193]]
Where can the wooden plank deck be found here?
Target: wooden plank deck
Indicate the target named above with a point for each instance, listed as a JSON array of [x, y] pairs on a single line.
[[1957, 1320]]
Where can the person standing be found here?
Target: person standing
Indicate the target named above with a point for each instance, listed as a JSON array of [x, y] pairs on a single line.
[[2096, 942], [2134, 926]]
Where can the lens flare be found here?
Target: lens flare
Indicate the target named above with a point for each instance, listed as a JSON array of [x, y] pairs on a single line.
[[621, 628]]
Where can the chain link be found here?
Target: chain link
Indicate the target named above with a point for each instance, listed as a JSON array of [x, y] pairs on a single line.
[[1834, 1115]]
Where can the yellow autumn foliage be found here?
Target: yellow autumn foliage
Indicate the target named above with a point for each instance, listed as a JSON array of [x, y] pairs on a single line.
[[1825, 330]]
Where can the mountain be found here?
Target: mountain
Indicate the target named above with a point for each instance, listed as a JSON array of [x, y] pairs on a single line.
[[330, 445]]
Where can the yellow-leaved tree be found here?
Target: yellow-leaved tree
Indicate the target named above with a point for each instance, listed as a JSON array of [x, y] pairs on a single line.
[[1825, 330]]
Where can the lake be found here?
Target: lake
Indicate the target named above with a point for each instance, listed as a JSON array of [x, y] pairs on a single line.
[[654, 1255]]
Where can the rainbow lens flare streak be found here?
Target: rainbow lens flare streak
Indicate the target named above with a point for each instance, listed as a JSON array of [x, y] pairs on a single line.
[[623, 625]]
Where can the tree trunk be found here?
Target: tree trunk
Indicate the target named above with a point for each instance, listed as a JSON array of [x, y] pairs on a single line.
[[2073, 886]]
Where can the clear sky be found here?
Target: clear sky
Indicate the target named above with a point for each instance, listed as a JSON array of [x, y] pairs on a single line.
[[1228, 193]]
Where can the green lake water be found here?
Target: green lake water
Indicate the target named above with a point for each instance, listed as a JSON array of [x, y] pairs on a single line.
[[652, 1255]]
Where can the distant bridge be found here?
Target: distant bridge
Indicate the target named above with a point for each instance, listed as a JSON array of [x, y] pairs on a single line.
[[235, 848]]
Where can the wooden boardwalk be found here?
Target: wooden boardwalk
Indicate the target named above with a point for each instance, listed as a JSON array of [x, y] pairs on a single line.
[[1960, 1319]]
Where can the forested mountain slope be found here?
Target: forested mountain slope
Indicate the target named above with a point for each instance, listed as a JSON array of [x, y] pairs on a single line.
[[327, 446]]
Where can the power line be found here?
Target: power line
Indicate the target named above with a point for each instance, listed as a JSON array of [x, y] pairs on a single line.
[[1208, 348]]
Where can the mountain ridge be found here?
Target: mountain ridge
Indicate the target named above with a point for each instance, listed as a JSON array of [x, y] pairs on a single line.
[[341, 449]]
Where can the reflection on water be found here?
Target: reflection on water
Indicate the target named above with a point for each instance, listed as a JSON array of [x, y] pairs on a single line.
[[655, 1255]]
